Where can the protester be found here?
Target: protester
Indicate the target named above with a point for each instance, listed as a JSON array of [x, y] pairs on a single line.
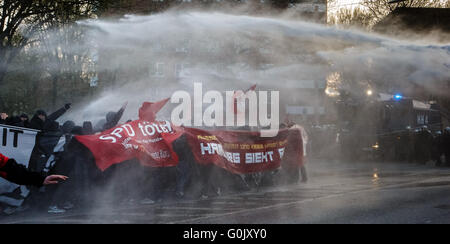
[[15, 121], [17, 173], [112, 118], [46, 140], [410, 142], [3, 118], [437, 148], [87, 128], [77, 163], [184, 167], [425, 141], [41, 121], [25, 120], [446, 145], [155, 182], [19, 121]]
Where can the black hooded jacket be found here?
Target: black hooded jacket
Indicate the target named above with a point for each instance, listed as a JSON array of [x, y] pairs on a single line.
[[38, 124], [17, 173]]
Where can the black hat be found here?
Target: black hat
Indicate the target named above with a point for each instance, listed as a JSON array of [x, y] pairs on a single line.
[[41, 112], [68, 126]]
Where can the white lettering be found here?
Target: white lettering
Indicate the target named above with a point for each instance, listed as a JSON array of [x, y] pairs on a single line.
[[259, 157], [129, 129], [184, 108], [106, 137], [205, 148], [281, 151], [117, 132], [146, 127], [142, 129]]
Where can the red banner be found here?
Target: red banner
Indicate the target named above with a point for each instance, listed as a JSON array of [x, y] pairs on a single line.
[[244, 151], [151, 143]]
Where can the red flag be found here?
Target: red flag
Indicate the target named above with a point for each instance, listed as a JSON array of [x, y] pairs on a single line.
[[252, 88], [244, 152], [3, 160], [149, 110], [148, 141]]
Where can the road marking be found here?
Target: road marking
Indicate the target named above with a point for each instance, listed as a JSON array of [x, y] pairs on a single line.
[[293, 203]]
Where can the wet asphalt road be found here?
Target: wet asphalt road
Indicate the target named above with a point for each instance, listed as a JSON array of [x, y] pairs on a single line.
[[337, 192]]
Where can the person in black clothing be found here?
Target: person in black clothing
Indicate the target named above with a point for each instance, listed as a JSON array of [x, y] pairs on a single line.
[[21, 121], [3, 118], [88, 128], [184, 167], [38, 120], [71, 161], [24, 120], [425, 141], [46, 140], [446, 145], [41, 121], [437, 148], [112, 118], [17, 173], [15, 121]]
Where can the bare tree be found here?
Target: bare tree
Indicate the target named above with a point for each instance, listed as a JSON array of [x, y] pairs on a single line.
[[64, 63], [21, 22], [13, 34], [372, 11], [352, 18], [380, 8]]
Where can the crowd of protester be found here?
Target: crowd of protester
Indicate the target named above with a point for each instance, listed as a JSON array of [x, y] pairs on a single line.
[[419, 145], [56, 152], [414, 145]]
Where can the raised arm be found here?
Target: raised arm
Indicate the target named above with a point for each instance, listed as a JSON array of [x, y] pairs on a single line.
[[58, 113]]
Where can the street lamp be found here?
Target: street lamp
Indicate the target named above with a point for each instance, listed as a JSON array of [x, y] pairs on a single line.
[[369, 92]]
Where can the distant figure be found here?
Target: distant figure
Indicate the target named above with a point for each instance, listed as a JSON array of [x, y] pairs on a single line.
[[87, 128], [446, 145], [425, 141], [437, 148], [410, 144], [291, 170]]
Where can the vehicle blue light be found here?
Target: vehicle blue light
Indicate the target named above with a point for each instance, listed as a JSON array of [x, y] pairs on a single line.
[[398, 96]]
